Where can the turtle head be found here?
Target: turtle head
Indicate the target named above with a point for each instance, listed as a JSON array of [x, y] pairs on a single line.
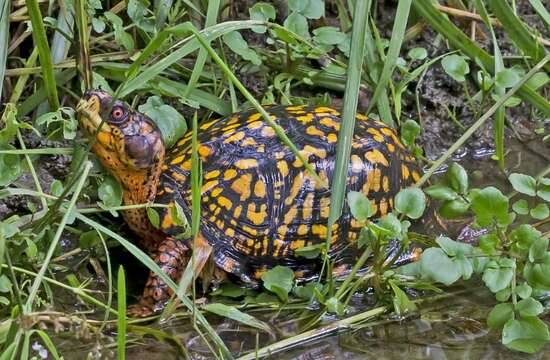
[[124, 139]]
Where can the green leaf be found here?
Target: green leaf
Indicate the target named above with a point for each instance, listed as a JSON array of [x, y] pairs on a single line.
[[263, 12], [540, 212], [310, 252], [170, 122], [89, 239], [401, 302], [524, 236], [239, 46], [488, 243], [137, 11], [329, 35], [441, 192], [437, 266], [110, 192], [529, 307], [524, 290], [521, 207], [359, 205], [233, 313], [335, 306], [457, 178], [230, 290], [417, 53], [456, 67], [297, 23], [538, 249], [499, 315], [297, 5], [10, 124], [490, 205], [507, 78], [389, 226], [544, 189], [528, 334], [279, 280], [524, 184], [538, 80], [313, 9], [411, 202], [409, 131], [5, 284], [498, 275], [10, 166], [454, 248], [306, 292], [154, 217], [122, 38], [453, 208]]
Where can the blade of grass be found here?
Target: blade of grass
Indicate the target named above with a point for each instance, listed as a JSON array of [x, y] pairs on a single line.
[[541, 10], [41, 94], [459, 40], [498, 121], [468, 133], [41, 42], [149, 72], [351, 95], [121, 316], [211, 16], [83, 41], [4, 39], [398, 34], [151, 265], [40, 277], [523, 37]]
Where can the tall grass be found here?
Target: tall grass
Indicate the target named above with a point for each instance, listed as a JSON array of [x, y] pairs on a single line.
[[4, 39]]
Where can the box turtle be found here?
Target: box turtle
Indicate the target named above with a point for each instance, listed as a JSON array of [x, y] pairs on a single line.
[[258, 204]]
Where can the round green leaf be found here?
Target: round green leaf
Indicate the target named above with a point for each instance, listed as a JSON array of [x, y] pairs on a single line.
[[507, 78], [521, 207], [441, 192], [456, 67], [297, 23], [437, 266], [279, 280], [359, 205], [453, 208], [489, 204], [528, 334], [263, 12], [496, 277], [417, 53], [235, 41], [529, 307], [499, 315], [524, 184], [411, 202], [10, 166], [540, 212], [543, 189], [457, 178]]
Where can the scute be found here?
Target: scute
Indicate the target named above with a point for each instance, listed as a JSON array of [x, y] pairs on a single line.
[[259, 205]]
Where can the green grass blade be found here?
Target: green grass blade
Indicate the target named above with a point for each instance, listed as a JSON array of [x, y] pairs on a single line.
[[41, 42], [40, 277], [83, 58], [151, 265], [121, 316], [398, 34], [468, 133], [149, 72], [523, 37], [233, 313], [541, 10], [498, 121], [4, 39], [351, 95], [162, 9], [211, 16], [458, 40]]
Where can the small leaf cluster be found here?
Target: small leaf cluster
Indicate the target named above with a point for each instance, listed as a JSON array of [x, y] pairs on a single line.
[[513, 261]]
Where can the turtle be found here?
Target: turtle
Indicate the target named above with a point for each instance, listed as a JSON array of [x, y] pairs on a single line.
[[258, 204]]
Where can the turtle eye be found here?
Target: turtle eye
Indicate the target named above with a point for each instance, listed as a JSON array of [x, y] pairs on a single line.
[[117, 114]]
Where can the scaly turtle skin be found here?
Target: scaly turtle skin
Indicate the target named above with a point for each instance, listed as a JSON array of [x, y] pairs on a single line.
[[258, 204]]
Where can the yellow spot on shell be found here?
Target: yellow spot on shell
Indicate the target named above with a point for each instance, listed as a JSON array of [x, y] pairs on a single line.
[[186, 165], [259, 188], [225, 202], [178, 177], [177, 160], [383, 207], [387, 131], [305, 118], [325, 207], [405, 172], [327, 121], [256, 217], [373, 179], [376, 157], [290, 215], [249, 142], [238, 210], [255, 125], [254, 117], [209, 185], [361, 117], [356, 164], [204, 151], [307, 207], [268, 131], [324, 109], [415, 175], [319, 229], [332, 138], [283, 167], [295, 107], [212, 174], [246, 163], [297, 244], [282, 230], [312, 130], [295, 188], [385, 184], [229, 174], [217, 191], [390, 147], [235, 137], [242, 186], [229, 232], [302, 229]]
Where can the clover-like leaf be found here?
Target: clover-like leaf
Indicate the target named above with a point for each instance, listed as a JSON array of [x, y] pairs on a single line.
[[279, 281], [411, 202]]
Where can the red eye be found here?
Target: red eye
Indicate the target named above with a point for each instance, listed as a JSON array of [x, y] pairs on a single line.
[[117, 113]]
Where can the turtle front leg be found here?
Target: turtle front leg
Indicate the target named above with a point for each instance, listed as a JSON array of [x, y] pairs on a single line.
[[171, 256]]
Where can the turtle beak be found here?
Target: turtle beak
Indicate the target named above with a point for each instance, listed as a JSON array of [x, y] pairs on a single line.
[[89, 108]]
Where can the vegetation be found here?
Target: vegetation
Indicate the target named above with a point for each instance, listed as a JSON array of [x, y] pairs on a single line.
[[184, 62]]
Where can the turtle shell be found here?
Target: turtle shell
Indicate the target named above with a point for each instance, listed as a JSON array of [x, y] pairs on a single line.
[[259, 205]]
